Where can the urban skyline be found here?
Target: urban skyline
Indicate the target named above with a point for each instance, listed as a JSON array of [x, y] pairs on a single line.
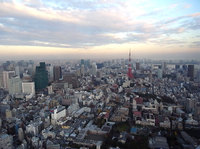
[[104, 74], [113, 104], [99, 29]]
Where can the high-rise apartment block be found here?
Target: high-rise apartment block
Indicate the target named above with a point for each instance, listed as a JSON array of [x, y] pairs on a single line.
[[41, 77]]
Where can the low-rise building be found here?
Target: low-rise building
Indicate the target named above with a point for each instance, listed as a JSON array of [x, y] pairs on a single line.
[[57, 113], [6, 141]]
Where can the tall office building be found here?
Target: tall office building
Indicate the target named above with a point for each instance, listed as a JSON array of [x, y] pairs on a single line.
[[1, 79], [94, 69], [190, 73], [82, 70], [137, 66], [82, 62], [14, 85], [41, 77], [87, 63], [6, 76], [17, 72], [184, 67], [57, 72], [49, 68], [164, 67], [160, 73], [30, 69], [198, 75], [177, 67]]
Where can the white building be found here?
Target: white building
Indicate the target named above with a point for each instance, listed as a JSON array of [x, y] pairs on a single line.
[[15, 85], [160, 73], [17, 72], [58, 113], [50, 89], [126, 83], [20, 134], [8, 114], [34, 128], [28, 88], [134, 105], [47, 133], [94, 69], [50, 73], [6, 76]]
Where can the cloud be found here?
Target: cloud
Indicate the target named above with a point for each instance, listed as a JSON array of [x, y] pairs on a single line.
[[194, 14], [21, 10], [168, 41], [173, 6], [78, 23], [187, 6], [195, 44]]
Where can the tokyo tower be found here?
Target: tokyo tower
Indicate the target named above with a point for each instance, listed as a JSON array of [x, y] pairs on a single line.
[[129, 74]]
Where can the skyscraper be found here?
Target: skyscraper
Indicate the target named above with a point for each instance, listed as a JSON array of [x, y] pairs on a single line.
[[57, 71], [190, 73], [82, 70], [82, 62], [160, 73], [6, 76], [15, 85], [41, 77], [164, 67], [184, 67], [94, 69], [177, 67], [87, 63], [130, 74], [1, 79], [137, 66], [50, 68]]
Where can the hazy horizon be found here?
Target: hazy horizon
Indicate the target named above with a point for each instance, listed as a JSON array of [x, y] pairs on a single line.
[[98, 57]]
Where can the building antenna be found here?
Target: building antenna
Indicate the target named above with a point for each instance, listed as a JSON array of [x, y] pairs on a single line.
[[129, 74]]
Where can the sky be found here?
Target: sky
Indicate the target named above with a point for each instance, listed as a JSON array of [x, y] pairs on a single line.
[[157, 29]]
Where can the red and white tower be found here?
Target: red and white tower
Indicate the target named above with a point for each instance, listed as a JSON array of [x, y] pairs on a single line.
[[130, 74]]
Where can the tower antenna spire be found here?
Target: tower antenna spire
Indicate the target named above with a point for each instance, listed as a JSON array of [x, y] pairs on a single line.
[[130, 74]]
